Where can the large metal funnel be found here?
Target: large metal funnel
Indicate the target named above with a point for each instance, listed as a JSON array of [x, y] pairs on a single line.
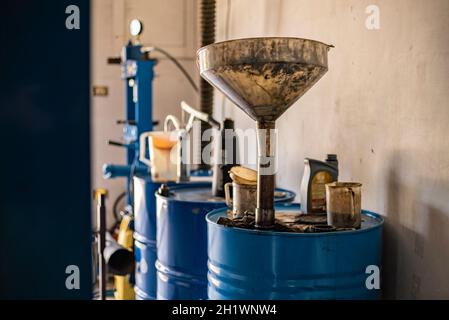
[[264, 77]]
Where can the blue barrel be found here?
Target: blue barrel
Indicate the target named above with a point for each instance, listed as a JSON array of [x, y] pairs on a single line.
[[182, 241], [145, 236], [255, 264], [145, 209], [145, 273]]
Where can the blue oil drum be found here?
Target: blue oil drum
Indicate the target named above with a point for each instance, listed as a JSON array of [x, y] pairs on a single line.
[[182, 240], [255, 264], [145, 209], [145, 273], [145, 204], [145, 233], [145, 237]]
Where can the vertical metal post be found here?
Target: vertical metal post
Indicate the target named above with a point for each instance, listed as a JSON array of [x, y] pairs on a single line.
[[130, 114], [100, 196], [265, 175], [129, 53], [144, 105], [137, 72]]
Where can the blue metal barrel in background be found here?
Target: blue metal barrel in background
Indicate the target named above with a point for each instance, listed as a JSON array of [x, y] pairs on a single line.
[[145, 272], [256, 264], [182, 240], [145, 232], [145, 237]]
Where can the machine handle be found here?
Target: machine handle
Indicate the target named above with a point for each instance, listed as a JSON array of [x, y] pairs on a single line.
[[114, 60], [173, 120], [130, 122], [200, 115], [143, 149], [352, 203], [228, 195], [117, 143], [134, 122]]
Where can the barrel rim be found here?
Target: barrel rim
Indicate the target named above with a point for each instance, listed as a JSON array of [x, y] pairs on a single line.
[[144, 241], [191, 185], [291, 195], [144, 295], [180, 274], [220, 211], [173, 184]]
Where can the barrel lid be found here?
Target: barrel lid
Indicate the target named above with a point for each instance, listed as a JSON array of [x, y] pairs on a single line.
[[195, 195], [202, 192], [193, 192], [370, 221]]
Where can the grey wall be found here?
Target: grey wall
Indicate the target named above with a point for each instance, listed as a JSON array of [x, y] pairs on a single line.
[[382, 107]]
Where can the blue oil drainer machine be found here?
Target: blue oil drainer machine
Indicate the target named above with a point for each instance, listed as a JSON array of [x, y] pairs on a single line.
[[138, 72]]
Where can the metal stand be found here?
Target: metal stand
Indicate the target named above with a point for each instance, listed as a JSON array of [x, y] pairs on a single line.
[[100, 195]]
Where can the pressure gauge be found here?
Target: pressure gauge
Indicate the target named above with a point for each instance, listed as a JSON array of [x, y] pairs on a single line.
[[135, 27]]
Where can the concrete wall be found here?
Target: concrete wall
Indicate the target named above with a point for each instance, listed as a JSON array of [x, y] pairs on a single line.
[[169, 24], [382, 107]]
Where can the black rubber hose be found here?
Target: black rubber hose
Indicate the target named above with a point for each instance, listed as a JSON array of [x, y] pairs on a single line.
[[115, 208], [180, 67], [207, 24]]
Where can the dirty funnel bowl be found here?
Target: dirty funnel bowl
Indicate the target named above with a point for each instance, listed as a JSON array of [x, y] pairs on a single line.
[[264, 77]]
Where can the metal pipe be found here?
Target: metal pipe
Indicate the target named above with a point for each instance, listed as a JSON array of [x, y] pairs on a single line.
[[111, 171], [120, 261], [265, 174], [205, 117], [100, 196]]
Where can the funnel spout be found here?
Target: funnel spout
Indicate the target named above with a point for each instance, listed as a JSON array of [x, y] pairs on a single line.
[[266, 170]]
